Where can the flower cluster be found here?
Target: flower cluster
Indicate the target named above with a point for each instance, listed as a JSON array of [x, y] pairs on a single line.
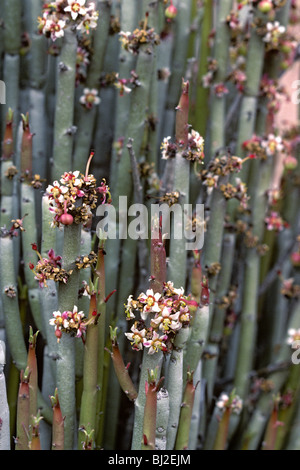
[[85, 261], [232, 402], [274, 33], [264, 147], [73, 198], [193, 152], [195, 147], [270, 89], [165, 313], [220, 90], [238, 192], [69, 322], [290, 289], [275, 222], [222, 166], [168, 148], [49, 268], [58, 15], [90, 98], [132, 42], [293, 338]]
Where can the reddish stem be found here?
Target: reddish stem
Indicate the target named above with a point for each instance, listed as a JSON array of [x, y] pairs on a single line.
[[8, 143], [26, 147], [23, 412], [182, 127], [149, 426], [158, 259], [57, 424]]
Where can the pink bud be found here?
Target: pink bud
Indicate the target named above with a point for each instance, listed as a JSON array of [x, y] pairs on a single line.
[[265, 6], [295, 258], [58, 333], [66, 219], [171, 12], [290, 162]]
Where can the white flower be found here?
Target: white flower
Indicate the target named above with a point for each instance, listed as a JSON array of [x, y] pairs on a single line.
[[136, 337], [274, 31], [174, 290], [156, 343], [76, 8], [167, 321], [53, 321], [89, 98], [234, 402], [221, 403], [129, 307], [164, 147], [88, 22], [151, 302], [293, 338], [272, 144]]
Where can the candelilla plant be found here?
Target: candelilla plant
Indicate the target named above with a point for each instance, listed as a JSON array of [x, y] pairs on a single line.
[[149, 236]]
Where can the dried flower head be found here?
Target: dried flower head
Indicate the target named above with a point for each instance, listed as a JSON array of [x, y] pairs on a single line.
[[132, 42], [49, 268]]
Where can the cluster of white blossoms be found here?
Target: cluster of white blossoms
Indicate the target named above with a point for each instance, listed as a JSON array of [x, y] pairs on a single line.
[[232, 402], [274, 32], [293, 338], [73, 197], [166, 313], [62, 13]]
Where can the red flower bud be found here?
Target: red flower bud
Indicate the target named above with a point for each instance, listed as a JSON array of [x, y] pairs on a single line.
[[295, 259], [58, 333], [171, 12], [34, 246], [265, 6], [290, 162], [66, 219]]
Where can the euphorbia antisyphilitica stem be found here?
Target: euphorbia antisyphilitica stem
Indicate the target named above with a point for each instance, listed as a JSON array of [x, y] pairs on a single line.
[[182, 438], [178, 254], [65, 364], [64, 109]]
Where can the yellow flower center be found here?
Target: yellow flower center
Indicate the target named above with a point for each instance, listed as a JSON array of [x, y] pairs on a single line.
[[75, 7]]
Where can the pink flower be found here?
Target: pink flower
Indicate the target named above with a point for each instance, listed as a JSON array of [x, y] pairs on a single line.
[[156, 343], [220, 90]]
